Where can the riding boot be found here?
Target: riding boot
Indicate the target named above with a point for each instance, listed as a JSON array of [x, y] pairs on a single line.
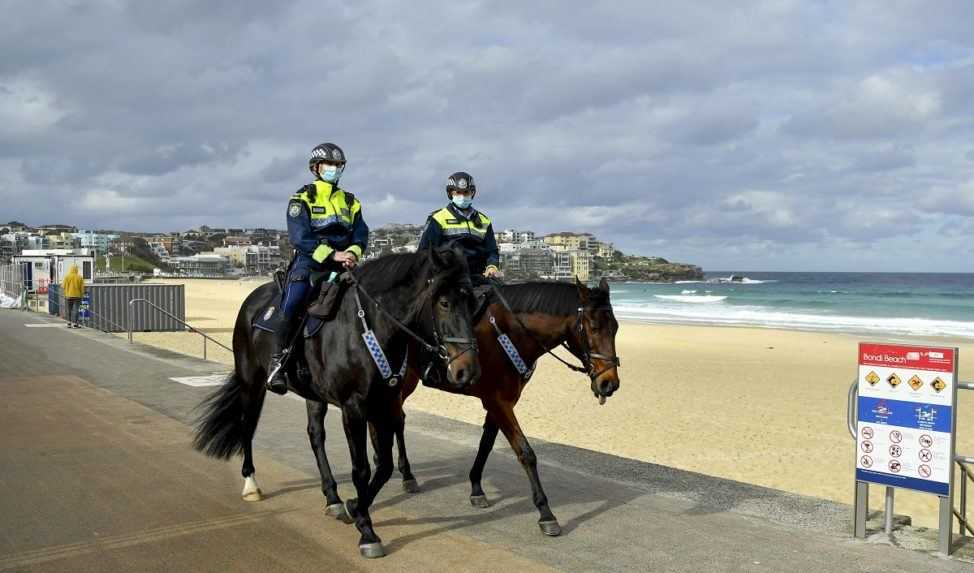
[[277, 374]]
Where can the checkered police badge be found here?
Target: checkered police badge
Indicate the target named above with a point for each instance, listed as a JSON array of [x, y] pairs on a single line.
[[294, 210]]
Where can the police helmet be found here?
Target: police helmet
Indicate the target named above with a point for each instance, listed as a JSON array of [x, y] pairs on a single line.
[[326, 153], [460, 180]]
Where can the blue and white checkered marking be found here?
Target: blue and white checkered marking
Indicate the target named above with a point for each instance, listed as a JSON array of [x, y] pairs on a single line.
[[512, 353], [378, 356]]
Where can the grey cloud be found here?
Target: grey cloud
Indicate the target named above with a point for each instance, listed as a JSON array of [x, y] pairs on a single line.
[[665, 117]]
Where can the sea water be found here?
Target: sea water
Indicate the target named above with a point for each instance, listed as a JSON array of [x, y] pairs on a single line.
[[889, 304]]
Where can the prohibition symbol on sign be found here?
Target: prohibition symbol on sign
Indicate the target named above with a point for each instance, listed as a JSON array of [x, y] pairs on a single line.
[[867, 447], [895, 466], [895, 436], [867, 433], [895, 451], [926, 455], [924, 470], [926, 441], [866, 461]]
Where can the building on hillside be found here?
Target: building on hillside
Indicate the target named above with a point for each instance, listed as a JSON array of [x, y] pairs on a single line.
[[562, 268], [570, 241], [528, 263], [602, 250], [63, 241], [203, 264], [237, 241], [98, 242], [581, 265], [254, 259]]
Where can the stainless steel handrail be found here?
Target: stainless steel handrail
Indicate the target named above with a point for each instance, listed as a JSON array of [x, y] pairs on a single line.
[[851, 414], [177, 319]]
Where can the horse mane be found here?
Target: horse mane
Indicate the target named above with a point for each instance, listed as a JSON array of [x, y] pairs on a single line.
[[400, 269], [389, 271], [546, 297]]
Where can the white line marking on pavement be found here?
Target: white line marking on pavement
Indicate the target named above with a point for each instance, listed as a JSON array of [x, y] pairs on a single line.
[[46, 325], [200, 381]]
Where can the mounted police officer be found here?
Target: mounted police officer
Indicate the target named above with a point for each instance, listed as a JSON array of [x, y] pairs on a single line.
[[326, 228], [460, 223]]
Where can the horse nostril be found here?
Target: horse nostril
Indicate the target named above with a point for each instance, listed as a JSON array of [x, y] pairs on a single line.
[[461, 376]]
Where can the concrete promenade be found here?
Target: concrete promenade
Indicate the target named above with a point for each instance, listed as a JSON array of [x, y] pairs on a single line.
[[97, 474]]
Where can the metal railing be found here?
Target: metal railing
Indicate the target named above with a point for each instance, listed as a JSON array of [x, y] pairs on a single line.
[[963, 463], [191, 328]]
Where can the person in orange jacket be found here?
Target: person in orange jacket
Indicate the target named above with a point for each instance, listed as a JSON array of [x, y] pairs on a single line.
[[73, 287]]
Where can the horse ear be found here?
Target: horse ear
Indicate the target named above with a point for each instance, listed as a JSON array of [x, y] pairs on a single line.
[[604, 285], [582, 291]]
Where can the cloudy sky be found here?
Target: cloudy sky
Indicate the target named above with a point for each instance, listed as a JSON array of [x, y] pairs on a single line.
[[777, 135]]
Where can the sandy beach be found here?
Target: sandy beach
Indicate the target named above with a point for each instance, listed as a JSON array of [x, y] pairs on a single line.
[[756, 405]]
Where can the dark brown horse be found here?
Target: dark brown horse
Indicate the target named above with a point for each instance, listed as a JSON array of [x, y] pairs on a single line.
[[536, 317]]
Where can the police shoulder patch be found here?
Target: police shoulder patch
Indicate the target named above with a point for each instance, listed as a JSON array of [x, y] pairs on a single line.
[[294, 209]]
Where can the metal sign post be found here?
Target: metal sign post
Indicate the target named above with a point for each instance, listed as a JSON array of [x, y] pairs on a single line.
[[905, 428]]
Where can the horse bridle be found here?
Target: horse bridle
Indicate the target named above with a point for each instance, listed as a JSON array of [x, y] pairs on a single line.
[[579, 327], [587, 354], [440, 341]]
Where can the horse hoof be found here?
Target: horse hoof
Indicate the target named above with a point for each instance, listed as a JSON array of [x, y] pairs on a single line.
[[410, 486], [550, 528], [251, 491], [372, 550], [479, 501], [337, 510]]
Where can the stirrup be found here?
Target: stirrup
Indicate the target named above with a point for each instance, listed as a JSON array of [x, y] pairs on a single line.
[[277, 379]]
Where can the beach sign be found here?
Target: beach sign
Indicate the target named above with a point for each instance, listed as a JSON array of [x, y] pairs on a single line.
[[906, 423]]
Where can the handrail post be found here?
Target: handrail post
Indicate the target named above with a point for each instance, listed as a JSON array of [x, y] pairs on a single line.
[[129, 321], [851, 413], [963, 497]]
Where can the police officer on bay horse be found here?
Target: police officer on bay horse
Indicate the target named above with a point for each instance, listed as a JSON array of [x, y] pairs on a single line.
[[459, 222]]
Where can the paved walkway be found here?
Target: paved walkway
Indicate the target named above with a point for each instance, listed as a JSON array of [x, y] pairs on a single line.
[[97, 475]]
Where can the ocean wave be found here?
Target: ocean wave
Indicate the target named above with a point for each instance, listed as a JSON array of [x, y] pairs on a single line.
[[690, 298], [767, 318]]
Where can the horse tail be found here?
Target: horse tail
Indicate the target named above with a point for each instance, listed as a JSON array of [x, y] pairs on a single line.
[[220, 428]]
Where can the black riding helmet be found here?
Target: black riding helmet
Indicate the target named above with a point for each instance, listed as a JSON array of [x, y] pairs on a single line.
[[460, 180], [326, 153]]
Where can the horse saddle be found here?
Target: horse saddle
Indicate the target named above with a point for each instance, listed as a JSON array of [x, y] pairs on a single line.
[[326, 290]]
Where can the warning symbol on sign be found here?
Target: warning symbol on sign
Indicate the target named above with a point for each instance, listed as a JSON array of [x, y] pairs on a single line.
[[895, 466], [894, 380], [924, 470], [872, 378], [926, 441], [866, 461], [925, 455], [915, 382], [938, 384]]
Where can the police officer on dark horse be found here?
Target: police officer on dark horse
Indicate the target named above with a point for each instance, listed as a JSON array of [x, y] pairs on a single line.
[[416, 300], [326, 228]]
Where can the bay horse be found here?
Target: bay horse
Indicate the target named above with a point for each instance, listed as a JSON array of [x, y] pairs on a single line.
[[535, 317], [430, 292]]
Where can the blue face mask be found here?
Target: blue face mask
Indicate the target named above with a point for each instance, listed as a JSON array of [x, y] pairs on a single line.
[[462, 201], [330, 173]]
